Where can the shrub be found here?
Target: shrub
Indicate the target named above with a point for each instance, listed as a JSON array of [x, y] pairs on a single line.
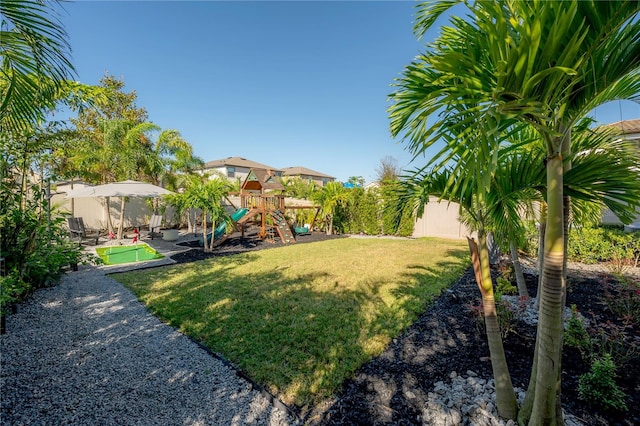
[[506, 312], [36, 249], [576, 335], [588, 245], [372, 212], [598, 386], [504, 286], [604, 244], [12, 289], [624, 301], [531, 238], [614, 339]]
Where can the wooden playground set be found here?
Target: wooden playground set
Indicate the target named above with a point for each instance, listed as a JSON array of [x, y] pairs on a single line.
[[262, 203]]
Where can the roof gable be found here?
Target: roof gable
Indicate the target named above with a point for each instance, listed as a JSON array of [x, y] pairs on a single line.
[[627, 127], [237, 162], [299, 170], [260, 180]]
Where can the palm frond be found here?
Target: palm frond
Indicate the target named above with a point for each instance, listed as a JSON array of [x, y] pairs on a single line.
[[34, 61], [428, 12]]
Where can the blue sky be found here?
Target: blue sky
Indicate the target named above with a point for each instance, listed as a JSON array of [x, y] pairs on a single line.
[[292, 83]]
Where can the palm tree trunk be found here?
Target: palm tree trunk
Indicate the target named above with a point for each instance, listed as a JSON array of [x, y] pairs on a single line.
[[566, 215], [541, 237], [329, 224], [191, 227], [517, 268], [23, 178], [505, 395], [549, 334]]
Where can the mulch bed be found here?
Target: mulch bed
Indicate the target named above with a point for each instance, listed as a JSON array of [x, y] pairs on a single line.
[[446, 338], [392, 388], [237, 244]]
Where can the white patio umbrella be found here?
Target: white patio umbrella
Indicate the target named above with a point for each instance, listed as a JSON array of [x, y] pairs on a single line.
[[127, 188]]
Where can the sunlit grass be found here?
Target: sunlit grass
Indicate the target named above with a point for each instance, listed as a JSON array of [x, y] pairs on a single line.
[[301, 319]]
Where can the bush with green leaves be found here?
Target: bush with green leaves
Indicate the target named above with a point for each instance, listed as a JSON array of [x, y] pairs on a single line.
[[576, 335], [604, 244], [504, 286], [33, 243], [531, 238], [593, 245], [371, 212], [12, 289], [598, 386]]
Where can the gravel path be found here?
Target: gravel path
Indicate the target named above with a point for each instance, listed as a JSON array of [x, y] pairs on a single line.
[[86, 352]]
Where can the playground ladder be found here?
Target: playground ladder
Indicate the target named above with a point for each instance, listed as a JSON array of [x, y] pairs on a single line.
[[282, 227]]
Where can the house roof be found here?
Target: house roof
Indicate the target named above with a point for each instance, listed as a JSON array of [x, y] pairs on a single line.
[[237, 162], [299, 170], [627, 126]]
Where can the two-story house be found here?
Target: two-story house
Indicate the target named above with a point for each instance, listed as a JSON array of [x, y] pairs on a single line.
[[237, 169], [307, 175]]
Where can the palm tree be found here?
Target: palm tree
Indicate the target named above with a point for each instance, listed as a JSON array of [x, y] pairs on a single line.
[[600, 177], [328, 197], [34, 61], [205, 194], [171, 156], [543, 63], [496, 208], [120, 150]]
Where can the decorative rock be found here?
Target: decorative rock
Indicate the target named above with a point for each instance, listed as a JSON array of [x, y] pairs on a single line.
[[469, 401]]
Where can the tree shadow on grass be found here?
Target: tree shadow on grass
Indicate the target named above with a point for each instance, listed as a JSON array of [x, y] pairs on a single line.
[[393, 387], [87, 352], [300, 335]]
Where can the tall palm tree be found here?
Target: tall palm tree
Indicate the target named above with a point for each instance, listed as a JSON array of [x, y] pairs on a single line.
[[543, 63], [498, 207], [171, 157], [173, 154], [600, 177], [116, 150]]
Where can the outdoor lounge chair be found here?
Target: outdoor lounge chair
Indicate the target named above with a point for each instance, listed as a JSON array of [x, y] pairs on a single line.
[[82, 233], [154, 226]]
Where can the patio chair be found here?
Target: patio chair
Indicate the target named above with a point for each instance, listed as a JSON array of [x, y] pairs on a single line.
[[154, 226], [81, 232]]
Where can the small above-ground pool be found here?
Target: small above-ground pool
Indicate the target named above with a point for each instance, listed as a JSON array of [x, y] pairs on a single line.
[[115, 255]]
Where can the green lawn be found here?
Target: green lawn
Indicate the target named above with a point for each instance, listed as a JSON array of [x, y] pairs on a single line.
[[301, 319]]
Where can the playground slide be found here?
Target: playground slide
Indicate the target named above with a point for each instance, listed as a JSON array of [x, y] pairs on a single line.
[[221, 230]]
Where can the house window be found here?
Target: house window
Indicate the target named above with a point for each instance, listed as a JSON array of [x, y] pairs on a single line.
[[231, 172], [325, 181]]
